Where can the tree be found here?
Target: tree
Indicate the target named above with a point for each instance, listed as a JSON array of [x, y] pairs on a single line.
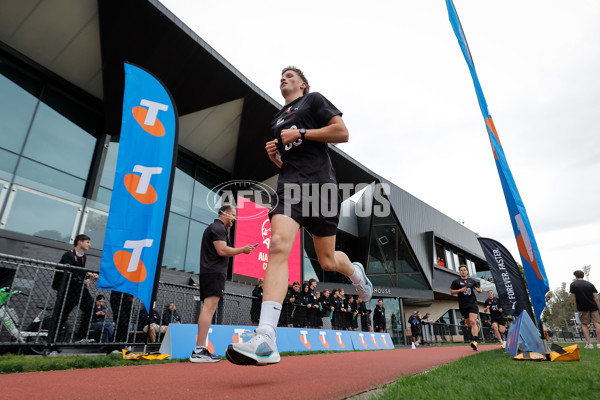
[[559, 308]]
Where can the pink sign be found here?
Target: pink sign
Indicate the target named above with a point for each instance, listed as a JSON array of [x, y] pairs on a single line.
[[253, 226]]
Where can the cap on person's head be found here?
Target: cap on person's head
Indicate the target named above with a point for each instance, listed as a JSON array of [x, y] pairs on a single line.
[[415, 312]]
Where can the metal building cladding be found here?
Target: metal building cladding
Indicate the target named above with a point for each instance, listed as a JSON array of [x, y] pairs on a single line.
[[61, 88]]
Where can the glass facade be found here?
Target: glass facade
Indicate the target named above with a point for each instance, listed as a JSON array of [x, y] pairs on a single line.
[[47, 148], [48, 143], [390, 261]]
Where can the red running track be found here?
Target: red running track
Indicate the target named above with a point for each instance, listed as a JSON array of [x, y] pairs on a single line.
[[325, 376]]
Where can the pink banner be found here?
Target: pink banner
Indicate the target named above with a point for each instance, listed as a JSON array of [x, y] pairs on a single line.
[[253, 226]]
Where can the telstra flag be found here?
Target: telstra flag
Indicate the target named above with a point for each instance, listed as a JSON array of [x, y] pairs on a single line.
[[141, 191], [530, 255]]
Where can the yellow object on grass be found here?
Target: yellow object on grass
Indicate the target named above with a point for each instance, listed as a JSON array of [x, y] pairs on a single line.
[[569, 353], [128, 355]]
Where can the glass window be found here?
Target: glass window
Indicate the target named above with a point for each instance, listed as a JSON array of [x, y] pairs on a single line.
[[49, 180], [412, 281], [181, 198], [449, 258], [110, 166], [56, 141], [95, 226], [104, 196], [16, 110], [8, 162], [39, 215], [309, 268], [176, 242], [456, 261], [194, 241], [200, 209], [386, 236], [381, 280]]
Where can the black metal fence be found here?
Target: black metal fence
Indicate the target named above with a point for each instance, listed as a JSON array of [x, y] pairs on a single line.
[[45, 305]]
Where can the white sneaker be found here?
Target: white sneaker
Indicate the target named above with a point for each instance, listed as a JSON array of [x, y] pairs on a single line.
[[589, 346], [259, 350], [204, 356], [598, 345], [364, 287]]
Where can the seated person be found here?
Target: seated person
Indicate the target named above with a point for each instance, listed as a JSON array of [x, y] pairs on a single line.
[[153, 320], [98, 322], [171, 316]]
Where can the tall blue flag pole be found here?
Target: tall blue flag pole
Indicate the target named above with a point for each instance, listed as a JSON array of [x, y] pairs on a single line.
[[139, 206], [535, 273]]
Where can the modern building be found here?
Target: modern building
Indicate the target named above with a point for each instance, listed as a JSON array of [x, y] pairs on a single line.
[[61, 88]]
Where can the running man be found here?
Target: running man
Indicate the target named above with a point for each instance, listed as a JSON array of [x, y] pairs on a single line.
[[465, 288], [492, 305], [302, 130], [215, 252]]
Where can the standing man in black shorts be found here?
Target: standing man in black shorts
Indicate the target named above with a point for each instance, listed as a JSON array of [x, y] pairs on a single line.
[[308, 196], [492, 304], [465, 288], [585, 298], [215, 252], [379, 317]]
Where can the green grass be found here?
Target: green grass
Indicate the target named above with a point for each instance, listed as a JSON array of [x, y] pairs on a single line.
[[10, 363], [494, 374]]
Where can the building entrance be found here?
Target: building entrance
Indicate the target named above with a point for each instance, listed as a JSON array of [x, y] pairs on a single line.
[[393, 320]]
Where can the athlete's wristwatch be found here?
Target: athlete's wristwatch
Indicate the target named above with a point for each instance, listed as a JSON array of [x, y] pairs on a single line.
[[302, 133]]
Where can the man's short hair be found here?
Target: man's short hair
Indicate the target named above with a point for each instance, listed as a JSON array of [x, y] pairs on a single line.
[[100, 297], [225, 207], [296, 283], [80, 238], [300, 74], [579, 274], [311, 280], [463, 265]]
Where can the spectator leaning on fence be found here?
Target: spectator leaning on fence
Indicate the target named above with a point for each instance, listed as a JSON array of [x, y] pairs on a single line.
[[585, 298], [75, 291]]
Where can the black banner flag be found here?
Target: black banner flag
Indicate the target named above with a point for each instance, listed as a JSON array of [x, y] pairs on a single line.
[[509, 283]]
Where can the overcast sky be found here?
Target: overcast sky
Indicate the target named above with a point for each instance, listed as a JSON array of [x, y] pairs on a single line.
[[396, 71]]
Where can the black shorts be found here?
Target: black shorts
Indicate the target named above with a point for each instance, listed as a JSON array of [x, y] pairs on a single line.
[[499, 320], [415, 331], [469, 309], [212, 284], [319, 213]]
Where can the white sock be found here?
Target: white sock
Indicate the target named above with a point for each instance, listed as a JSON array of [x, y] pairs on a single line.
[[198, 349], [357, 276], [269, 316]]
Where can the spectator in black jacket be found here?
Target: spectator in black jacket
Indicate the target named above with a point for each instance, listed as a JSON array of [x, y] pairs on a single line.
[[257, 295], [292, 298], [313, 314], [352, 313], [74, 291], [363, 314], [301, 312], [379, 317], [171, 316]]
